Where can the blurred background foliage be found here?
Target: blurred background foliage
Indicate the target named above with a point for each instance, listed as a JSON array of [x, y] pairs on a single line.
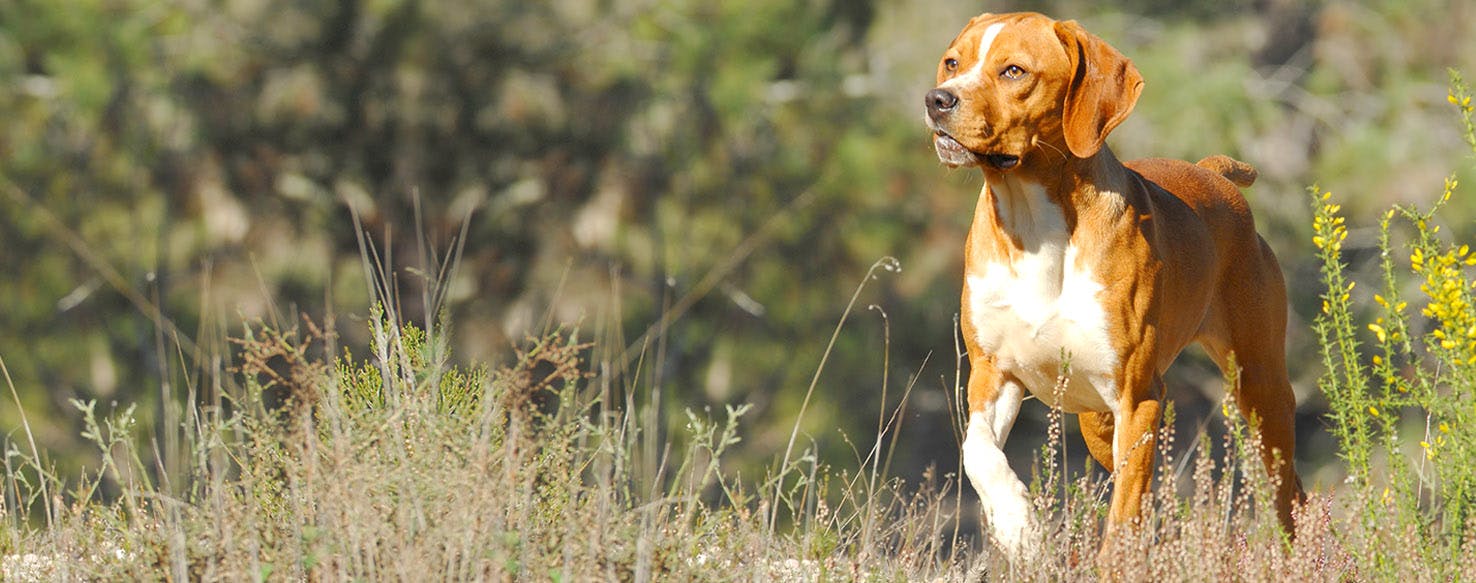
[[737, 166]]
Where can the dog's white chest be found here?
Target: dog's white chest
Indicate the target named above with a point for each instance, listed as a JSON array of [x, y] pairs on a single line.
[[1043, 306]]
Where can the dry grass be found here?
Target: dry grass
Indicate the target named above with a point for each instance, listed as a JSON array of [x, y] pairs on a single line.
[[401, 468]]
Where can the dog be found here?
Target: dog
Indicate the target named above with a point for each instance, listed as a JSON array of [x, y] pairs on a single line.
[[1076, 261]]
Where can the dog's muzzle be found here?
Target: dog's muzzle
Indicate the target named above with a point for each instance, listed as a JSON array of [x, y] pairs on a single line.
[[941, 104]]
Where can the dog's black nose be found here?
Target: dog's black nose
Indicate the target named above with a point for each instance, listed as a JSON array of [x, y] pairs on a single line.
[[940, 101]]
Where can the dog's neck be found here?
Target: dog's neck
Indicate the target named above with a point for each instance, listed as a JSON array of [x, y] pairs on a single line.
[[1020, 202]]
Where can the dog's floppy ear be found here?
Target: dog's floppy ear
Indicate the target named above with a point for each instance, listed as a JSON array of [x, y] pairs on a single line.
[[1104, 87]]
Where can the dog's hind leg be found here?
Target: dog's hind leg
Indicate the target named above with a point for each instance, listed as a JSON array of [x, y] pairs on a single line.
[[1096, 431], [1254, 305]]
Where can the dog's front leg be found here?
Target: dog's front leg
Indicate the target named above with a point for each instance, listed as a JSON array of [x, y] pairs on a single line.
[[994, 400], [1134, 442]]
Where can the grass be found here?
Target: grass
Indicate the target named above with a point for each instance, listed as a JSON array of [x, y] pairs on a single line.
[[309, 462]]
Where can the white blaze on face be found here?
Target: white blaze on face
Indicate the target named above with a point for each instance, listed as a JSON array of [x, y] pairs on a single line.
[[975, 73], [988, 41]]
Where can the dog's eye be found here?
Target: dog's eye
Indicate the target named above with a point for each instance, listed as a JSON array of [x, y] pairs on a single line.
[[950, 65], [1012, 72]]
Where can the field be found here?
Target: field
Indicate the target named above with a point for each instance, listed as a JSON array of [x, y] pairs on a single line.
[[318, 464], [402, 290], [312, 463]]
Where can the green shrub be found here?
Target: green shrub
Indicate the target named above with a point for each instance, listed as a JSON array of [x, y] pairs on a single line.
[[1416, 382]]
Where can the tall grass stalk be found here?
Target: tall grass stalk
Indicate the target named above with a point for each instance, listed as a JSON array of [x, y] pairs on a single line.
[[885, 264]]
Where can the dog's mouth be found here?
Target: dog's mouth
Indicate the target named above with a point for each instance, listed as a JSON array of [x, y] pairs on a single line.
[[953, 153], [1002, 161]]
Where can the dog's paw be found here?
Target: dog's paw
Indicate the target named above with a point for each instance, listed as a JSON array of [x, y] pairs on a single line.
[[1014, 530]]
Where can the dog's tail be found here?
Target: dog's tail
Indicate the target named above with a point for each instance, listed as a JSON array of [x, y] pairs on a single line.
[[1242, 174]]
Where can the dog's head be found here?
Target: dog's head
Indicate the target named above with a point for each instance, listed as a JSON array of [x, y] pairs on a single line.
[[1016, 86]]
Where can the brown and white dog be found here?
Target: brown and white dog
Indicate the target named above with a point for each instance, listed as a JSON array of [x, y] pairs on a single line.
[[1074, 255]]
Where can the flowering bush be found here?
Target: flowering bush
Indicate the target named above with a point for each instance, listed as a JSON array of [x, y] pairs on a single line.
[[1419, 384]]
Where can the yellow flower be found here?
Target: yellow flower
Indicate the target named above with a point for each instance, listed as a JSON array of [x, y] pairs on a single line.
[[1373, 410], [1378, 332], [1444, 427]]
